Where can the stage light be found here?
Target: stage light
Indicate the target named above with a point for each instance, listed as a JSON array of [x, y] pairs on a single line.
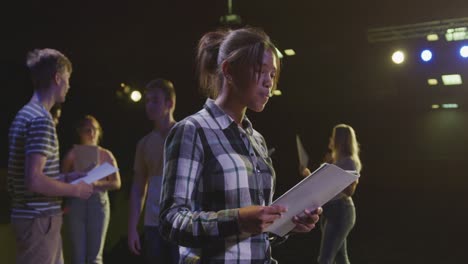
[[452, 79], [450, 106], [432, 37], [435, 106], [464, 51], [432, 81], [135, 96], [398, 57], [289, 52], [454, 34], [276, 93], [426, 55]]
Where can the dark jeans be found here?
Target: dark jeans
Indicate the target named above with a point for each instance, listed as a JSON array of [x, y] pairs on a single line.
[[158, 250], [336, 222]]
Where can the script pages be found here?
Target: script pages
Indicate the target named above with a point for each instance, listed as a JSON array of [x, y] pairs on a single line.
[[312, 192]]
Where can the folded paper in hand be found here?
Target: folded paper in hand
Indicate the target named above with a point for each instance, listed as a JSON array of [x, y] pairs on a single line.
[[97, 173], [314, 191]]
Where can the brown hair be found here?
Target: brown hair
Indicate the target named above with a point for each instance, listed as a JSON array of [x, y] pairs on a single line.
[[242, 48], [165, 86], [44, 64]]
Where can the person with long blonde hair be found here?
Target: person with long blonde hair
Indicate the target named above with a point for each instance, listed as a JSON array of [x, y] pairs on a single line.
[[339, 214]]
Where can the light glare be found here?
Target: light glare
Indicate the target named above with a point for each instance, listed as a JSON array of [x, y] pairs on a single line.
[[432, 81], [426, 55], [277, 92], [450, 106], [464, 51], [398, 57], [289, 52], [452, 79], [454, 34], [432, 37], [135, 96]]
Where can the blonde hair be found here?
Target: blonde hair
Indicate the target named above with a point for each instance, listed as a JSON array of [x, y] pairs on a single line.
[[345, 144], [89, 119]]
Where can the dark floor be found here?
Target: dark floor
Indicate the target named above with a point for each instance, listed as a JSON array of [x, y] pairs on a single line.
[[411, 213]]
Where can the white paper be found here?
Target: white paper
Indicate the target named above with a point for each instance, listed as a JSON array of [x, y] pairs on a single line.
[[97, 173], [302, 154], [314, 191]]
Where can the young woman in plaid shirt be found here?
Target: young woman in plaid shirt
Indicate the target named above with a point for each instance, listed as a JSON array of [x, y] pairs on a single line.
[[218, 178]]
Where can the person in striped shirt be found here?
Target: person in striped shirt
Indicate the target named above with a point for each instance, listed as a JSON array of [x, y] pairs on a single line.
[[218, 178], [34, 179]]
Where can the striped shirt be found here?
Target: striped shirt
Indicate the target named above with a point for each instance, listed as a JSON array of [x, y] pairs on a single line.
[[212, 168], [32, 131]]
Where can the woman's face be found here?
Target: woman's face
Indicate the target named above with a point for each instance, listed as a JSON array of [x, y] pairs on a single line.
[[256, 96], [89, 133]]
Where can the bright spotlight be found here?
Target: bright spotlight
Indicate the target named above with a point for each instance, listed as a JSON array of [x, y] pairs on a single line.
[[464, 51], [398, 57], [426, 55], [452, 79], [450, 106], [432, 81], [135, 96], [289, 52], [276, 92], [432, 37]]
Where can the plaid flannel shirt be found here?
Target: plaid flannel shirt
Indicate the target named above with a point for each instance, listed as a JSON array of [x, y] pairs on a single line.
[[212, 168]]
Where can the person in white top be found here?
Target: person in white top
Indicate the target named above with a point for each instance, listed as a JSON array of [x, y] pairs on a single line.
[[147, 180], [87, 220]]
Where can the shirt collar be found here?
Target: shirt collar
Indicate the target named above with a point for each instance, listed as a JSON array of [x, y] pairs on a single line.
[[223, 119], [41, 108]]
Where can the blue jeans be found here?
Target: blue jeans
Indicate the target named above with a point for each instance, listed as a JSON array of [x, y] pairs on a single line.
[[336, 222], [158, 250], [87, 222]]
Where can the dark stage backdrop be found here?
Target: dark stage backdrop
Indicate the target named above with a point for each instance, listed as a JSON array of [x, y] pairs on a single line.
[[409, 202]]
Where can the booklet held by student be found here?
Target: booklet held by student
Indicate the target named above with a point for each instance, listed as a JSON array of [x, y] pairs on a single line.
[[97, 173], [312, 192]]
